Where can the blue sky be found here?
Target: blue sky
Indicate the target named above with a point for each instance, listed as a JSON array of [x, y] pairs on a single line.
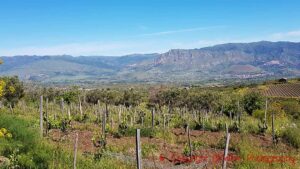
[[119, 27]]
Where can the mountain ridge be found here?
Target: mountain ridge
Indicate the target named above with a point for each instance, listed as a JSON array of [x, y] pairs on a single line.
[[233, 61]]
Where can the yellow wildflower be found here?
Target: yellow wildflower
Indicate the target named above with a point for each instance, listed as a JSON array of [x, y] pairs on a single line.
[[11, 89], [1, 134], [8, 135], [2, 86], [3, 130]]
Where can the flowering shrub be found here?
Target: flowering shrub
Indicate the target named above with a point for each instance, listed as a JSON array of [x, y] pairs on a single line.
[[2, 86], [4, 133]]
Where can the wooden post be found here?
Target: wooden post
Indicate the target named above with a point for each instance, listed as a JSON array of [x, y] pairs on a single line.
[[230, 116], [222, 109], [203, 124], [239, 114], [62, 105], [265, 119], [98, 110], [226, 148], [11, 109], [273, 128], [52, 109], [138, 150], [41, 115], [142, 121], [153, 118], [75, 151], [106, 110], [111, 123], [164, 121], [47, 102], [103, 123], [80, 108], [134, 114], [84, 98], [119, 117], [194, 114], [189, 140], [69, 113]]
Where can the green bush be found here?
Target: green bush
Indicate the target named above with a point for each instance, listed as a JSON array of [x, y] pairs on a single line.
[[24, 145], [259, 114], [292, 108], [148, 150], [252, 101], [27, 150], [292, 136], [125, 130]]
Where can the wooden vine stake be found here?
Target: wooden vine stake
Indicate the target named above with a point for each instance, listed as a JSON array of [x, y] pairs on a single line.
[[164, 121], [75, 151], [103, 123], [41, 116], [62, 105], [239, 113], [69, 113], [189, 140], [80, 108], [273, 128], [98, 111], [11, 109], [138, 150], [111, 123], [152, 118], [47, 114], [265, 119], [119, 116], [226, 148]]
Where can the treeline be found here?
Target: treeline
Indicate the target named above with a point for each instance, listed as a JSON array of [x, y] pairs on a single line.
[[229, 101]]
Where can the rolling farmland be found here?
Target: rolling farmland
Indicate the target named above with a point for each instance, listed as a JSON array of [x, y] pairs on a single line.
[[283, 90]]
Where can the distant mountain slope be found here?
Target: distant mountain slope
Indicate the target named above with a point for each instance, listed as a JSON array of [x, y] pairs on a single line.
[[257, 53], [227, 61], [63, 68], [233, 60]]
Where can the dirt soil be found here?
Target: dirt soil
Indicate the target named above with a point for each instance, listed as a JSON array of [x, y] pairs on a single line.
[[166, 155]]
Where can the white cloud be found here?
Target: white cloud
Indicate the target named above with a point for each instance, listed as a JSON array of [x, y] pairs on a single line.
[[76, 49], [112, 48], [180, 31], [292, 35], [137, 45]]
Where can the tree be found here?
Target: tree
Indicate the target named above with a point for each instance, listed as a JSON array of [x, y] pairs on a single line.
[[2, 84], [71, 96], [169, 98], [131, 98], [252, 101], [13, 90], [106, 96]]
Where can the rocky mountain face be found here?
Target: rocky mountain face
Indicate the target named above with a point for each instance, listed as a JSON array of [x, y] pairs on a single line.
[[231, 61], [258, 53]]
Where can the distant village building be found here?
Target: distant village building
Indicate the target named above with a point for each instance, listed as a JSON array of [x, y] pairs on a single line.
[[283, 80]]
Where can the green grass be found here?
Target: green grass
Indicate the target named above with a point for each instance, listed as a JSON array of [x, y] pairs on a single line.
[[292, 136], [27, 150]]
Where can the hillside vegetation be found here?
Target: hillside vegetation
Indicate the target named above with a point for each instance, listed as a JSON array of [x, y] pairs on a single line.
[[178, 126]]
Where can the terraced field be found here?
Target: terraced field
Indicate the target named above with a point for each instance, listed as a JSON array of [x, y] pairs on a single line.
[[283, 90]]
